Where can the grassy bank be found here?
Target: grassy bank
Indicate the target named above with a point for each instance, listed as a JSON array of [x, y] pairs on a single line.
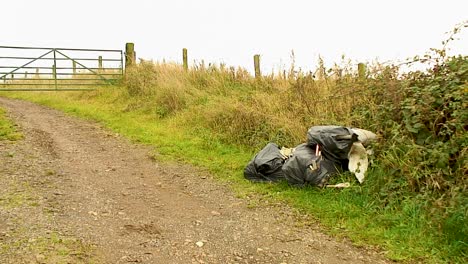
[[7, 128], [413, 205]]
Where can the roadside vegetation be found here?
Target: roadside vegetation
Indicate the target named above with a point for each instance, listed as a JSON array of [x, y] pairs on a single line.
[[414, 203], [7, 128]]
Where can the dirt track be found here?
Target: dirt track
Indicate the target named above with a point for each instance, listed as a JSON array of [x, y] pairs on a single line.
[[73, 192]]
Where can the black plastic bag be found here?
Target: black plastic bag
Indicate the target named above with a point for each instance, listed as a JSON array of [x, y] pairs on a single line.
[[266, 165], [334, 142], [305, 167]]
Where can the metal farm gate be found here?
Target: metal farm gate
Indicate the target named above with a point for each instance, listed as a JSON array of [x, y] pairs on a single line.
[[58, 69]]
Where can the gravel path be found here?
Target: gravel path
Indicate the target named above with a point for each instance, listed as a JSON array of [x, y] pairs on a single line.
[[73, 192]]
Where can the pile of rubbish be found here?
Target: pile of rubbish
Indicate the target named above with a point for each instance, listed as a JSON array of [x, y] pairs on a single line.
[[329, 150]]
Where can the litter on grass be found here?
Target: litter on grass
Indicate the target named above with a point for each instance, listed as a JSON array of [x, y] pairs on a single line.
[[328, 151]]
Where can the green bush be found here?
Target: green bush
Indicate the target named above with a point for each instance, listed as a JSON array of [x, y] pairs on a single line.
[[423, 120]]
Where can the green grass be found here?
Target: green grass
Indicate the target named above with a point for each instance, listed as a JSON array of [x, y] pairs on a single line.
[[7, 128], [400, 227], [49, 248]]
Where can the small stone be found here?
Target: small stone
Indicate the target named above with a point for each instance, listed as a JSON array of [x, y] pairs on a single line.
[[92, 213], [259, 249], [215, 213], [200, 244], [40, 258]]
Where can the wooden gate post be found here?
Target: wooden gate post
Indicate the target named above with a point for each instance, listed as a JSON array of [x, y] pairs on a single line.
[[185, 58], [129, 54], [361, 71], [257, 66]]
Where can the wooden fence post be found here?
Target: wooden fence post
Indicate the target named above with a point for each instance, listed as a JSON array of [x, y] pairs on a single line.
[[100, 63], [54, 72], [185, 58], [74, 67], [362, 71], [25, 75], [130, 56], [37, 73], [257, 65]]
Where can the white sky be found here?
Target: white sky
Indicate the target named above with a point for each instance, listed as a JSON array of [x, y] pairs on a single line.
[[233, 31]]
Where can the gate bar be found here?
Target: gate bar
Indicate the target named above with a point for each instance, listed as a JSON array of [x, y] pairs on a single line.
[[30, 58], [58, 68], [81, 65], [24, 83], [58, 79], [43, 84], [42, 48], [44, 90], [62, 73], [35, 59]]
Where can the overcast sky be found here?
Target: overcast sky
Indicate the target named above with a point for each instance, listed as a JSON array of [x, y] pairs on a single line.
[[233, 31]]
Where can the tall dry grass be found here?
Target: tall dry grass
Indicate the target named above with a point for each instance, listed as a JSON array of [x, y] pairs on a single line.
[[243, 109]]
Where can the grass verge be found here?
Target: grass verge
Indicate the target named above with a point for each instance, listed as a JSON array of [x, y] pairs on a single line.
[[7, 128], [401, 228]]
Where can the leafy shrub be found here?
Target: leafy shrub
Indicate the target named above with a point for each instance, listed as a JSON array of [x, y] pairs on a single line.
[[424, 114], [423, 119]]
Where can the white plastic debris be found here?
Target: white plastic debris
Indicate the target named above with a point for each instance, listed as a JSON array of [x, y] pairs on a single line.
[[364, 136], [358, 162]]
